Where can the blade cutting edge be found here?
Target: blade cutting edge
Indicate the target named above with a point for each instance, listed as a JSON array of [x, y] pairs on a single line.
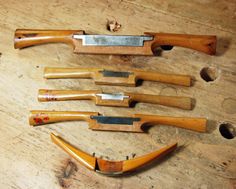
[[112, 96], [115, 120], [110, 73], [113, 40]]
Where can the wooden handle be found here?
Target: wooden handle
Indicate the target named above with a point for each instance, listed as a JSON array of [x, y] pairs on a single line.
[[60, 95], [195, 124], [202, 43], [29, 37], [38, 117], [175, 79], [172, 101], [84, 158], [132, 164], [66, 73]]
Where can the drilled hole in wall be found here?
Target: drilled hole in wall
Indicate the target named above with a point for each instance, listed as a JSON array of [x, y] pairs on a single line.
[[227, 130], [209, 74]]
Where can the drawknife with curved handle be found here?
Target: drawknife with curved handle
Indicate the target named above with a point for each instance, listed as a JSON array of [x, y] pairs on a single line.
[[110, 168]]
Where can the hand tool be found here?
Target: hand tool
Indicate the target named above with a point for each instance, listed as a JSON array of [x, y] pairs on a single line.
[[114, 99], [110, 168], [114, 77], [135, 123], [146, 44]]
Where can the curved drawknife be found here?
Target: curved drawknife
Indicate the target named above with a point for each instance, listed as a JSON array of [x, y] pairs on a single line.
[[133, 123], [111, 168]]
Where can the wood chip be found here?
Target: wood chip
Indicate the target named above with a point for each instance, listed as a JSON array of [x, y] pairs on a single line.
[[113, 25]]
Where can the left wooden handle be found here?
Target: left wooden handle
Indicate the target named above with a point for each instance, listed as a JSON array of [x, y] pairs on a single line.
[[40, 117], [45, 95], [84, 158], [69, 73], [29, 37]]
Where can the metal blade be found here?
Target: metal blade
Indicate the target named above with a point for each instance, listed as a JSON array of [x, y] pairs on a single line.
[[115, 120], [113, 40], [112, 96], [109, 73]]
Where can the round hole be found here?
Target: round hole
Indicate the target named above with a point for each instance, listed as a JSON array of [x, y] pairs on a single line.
[[227, 130], [19, 37], [209, 74], [166, 47]]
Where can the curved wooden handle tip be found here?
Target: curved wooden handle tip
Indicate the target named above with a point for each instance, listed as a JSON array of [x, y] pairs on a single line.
[[30, 37]]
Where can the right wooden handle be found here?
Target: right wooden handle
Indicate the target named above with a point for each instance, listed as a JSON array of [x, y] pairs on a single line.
[[203, 43], [40, 117], [67, 73], [45, 95], [29, 37], [132, 164], [172, 101], [195, 124], [184, 80]]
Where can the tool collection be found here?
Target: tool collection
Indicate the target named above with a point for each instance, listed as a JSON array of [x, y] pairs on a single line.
[[146, 44]]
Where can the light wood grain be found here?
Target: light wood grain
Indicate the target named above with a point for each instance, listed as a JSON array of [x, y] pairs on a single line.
[[28, 158]]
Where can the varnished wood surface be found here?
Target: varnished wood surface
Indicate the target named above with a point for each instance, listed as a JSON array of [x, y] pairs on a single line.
[[27, 37], [45, 95], [194, 124], [40, 117], [28, 158], [84, 158]]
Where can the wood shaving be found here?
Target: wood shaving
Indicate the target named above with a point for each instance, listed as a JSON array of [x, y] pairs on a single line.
[[113, 25]]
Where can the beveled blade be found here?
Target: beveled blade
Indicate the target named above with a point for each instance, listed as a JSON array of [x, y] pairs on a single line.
[[110, 73], [112, 96], [113, 40], [115, 120]]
